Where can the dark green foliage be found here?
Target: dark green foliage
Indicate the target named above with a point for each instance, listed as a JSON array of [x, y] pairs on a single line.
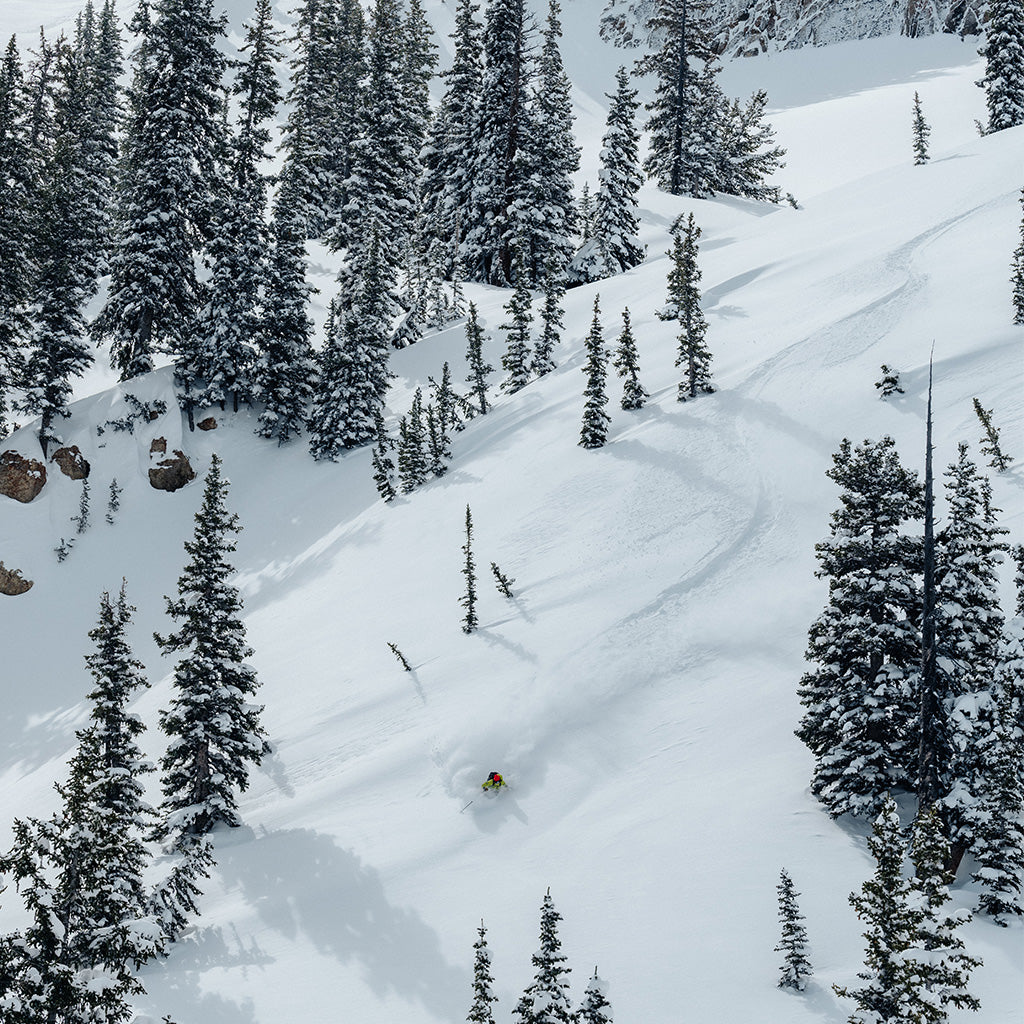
[[921, 133], [543, 361], [793, 943], [503, 582], [481, 1011], [383, 466], [1018, 275], [516, 360], [595, 1008], [439, 447], [546, 999], [412, 441], [113, 501], [594, 432], [684, 307], [400, 656], [990, 446], [468, 599], [63, 549], [1003, 51], [213, 732], [478, 369], [173, 901], [861, 703], [890, 382], [81, 521], [634, 395]]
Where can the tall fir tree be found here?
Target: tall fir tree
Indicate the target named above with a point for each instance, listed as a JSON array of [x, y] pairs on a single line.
[[552, 323], [481, 1011], [502, 130], [1017, 278], [860, 697], [594, 432], [627, 364], [684, 307], [285, 368], [793, 943], [1003, 80], [610, 245], [546, 998], [468, 599], [478, 369], [171, 145], [516, 360], [214, 733], [383, 465], [921, 132]]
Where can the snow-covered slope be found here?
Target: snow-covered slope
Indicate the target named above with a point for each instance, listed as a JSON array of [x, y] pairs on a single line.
[[639, 692]]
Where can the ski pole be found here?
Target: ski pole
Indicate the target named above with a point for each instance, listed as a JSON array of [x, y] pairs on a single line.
[[465, 807]]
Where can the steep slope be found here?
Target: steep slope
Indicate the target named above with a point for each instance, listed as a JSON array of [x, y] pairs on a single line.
[[639, 692]]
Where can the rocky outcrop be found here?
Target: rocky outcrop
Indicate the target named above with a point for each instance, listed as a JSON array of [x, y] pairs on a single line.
[[208, 424], [172, 473], [72, 463], [20, 478], [12, 583]]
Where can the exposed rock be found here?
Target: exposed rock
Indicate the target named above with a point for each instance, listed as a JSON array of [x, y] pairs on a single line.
[[20, 478], [159, 444], [173, 473], [153, 415], [12, 583], [71, 462], [208, 424]]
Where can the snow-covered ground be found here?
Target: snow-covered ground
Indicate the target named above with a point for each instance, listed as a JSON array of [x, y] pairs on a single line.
[[639, 691]]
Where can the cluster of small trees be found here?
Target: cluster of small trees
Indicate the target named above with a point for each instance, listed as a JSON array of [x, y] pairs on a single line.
[[82, 874], [916, 683], [546, 999]]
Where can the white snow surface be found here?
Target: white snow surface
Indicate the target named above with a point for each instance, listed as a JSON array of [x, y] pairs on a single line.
[[639, 693]]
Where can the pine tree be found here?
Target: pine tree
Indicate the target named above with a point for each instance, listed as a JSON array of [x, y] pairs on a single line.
[[546, 999], [862, 709], [502, 582], [944, 968], [412, 454], [1003, 51], [684, 307], [990, 445], [170, 152], [439, 446], [748, 154], [1017, 280], [501, 129], [595, 1008], [173, 900], [483, 982], [890, 382], [113, 500], [594, 432], [213, 732], [586, 213], [611, 245], [969, 630], [627, 363], [81, 521], [921, 132], [468, 599], [794, 936], [516, 360], [478, 369], [383, 466], [552, 323], [284, 373]]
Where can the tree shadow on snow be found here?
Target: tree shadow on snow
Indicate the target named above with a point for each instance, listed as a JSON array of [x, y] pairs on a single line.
[[299, 880]]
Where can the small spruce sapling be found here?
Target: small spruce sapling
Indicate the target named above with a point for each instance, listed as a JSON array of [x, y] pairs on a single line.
[[990, 446], [478, 369], [383, 466], [63, 549], [890, 382], [113, 501], [503, 582], [1017, 278], [627, 363], [921, 132], [594, 432], [483, 982], [468, 599], [81, 521], [400, 656], [595, 1008], [794, 936]]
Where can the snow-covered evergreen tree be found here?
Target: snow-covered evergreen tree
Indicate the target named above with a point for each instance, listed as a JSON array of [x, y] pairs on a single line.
[[412, 446], [684, 307], [1003, 51], [627, 364], [969, 630], [481, 1011], [113, 500], [516, 360], [1017, 278], [170, 149], [860, 698], [921, 132], [478, 369], [285, 368], [793, 943], [610, 243], [552, 323], [546, 999], [748, 154], [990, 445], [595, 1008], [502, 129], [213, 732], [594, 432], [468, 599], [383, 465]]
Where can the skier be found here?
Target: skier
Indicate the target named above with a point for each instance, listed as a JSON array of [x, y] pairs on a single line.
[[494, 781]]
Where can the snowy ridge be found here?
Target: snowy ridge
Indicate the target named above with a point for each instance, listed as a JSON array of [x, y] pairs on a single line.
[[639, 691]]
